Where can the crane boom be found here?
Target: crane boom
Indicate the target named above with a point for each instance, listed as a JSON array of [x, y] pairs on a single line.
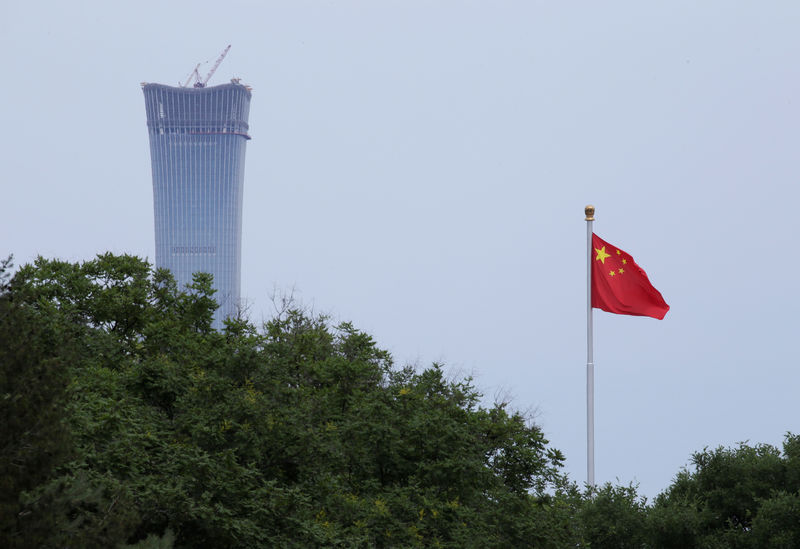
[[192, 75], [202, 83]]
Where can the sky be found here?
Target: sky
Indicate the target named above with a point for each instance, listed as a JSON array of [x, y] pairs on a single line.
[[420, 168]]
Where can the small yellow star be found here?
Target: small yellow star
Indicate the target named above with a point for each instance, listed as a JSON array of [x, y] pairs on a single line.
[[619, 252], [601, 255], [621, 271], [611, 273], [624, 261]]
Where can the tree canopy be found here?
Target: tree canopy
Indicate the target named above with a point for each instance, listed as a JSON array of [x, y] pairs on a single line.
[[150, 427], [128, 422]]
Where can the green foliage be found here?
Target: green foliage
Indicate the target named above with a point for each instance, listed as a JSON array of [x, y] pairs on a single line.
[[153, 541], [777, 523], [613, 516], [741, 497], [84, 510], [128, 422], [34, 355], [735, 497], [300, 434]]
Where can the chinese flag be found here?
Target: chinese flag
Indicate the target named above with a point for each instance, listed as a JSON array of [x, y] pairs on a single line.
[[620, 286]]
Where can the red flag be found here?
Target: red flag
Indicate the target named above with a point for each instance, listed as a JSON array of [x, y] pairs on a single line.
[[620, 286]]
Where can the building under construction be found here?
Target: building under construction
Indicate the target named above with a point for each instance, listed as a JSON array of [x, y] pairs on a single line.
[[197, 150]]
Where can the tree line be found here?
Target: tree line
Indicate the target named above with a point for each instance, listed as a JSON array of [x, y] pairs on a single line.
[[127, 421]]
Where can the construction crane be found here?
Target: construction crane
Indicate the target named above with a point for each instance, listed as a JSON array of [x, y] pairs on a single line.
[[194, 74], [201, 82]]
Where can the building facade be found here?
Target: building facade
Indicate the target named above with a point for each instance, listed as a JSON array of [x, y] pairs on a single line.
[[197, 151]]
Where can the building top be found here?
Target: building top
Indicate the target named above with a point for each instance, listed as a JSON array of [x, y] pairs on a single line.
[[235, 82], [222, 109]]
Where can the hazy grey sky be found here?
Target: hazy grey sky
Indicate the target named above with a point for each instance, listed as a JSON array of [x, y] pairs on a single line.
[[421, 168]]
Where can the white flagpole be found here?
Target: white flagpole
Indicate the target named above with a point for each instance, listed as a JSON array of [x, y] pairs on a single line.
[[589, 211]]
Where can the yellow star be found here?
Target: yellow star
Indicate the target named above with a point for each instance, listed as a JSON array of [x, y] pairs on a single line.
[[624, 261], [601, 255], [611, 273], [621, 271], [619, 252]]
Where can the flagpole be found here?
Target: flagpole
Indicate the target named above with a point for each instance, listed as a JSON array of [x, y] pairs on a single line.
[[589, 211]]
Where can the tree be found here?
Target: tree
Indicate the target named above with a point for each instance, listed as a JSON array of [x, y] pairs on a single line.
[[296, 434], [734, 497], [33, 438], [613, 516]]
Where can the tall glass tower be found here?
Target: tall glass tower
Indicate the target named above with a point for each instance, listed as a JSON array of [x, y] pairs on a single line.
[[197, 147]]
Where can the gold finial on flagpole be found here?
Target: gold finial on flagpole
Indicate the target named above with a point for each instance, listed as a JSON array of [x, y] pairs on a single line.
[[589, 211]]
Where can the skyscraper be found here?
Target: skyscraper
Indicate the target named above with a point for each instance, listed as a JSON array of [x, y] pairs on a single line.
[[197, 149]]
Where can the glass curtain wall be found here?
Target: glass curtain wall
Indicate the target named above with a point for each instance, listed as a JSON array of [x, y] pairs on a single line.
[[197, 151]]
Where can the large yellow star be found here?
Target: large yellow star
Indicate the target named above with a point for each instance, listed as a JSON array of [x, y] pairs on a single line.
[[601, 255]]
